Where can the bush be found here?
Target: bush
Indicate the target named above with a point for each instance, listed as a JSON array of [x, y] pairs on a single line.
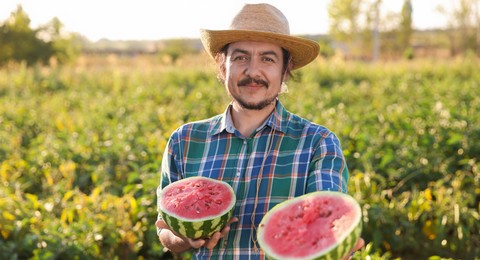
[[80, 149]]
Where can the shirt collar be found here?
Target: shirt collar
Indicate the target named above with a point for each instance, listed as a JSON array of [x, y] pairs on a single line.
[[278, 120]]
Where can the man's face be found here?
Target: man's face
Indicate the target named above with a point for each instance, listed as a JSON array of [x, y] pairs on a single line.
[[253, 73]]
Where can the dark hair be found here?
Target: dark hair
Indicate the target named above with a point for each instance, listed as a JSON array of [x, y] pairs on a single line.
[[286, 60]]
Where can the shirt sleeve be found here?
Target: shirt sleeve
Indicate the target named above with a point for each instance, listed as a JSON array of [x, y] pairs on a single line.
[[169, 169], [328, 169]]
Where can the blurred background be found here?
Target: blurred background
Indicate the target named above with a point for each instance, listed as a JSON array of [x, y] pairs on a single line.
[[367, 30], [91, 90]]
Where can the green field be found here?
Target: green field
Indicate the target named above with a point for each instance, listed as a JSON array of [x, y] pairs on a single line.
[[81, 145]]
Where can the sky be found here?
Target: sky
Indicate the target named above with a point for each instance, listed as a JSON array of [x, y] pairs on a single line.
[[166, 19]]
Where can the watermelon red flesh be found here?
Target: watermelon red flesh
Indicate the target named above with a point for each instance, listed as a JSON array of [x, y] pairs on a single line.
[[196, 207], [310, 226], [196, 199]]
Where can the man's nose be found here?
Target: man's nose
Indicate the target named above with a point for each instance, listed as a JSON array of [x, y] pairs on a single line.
[[253, 68]]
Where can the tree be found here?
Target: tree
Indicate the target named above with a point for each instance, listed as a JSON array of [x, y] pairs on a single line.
[[463, 25], [326, 49], [477, 18], [376, 24], [64, 44], [176, 48], [357, 24], [406, 30], [20, 43], [344, 22]]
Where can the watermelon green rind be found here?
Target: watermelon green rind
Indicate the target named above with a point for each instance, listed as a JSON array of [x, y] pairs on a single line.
[[343, 244], [196, 228]]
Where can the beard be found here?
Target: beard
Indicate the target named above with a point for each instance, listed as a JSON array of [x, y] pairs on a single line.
[[252, 105], [255, 106]]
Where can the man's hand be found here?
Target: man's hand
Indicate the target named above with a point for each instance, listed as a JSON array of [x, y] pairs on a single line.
[[179, 243], [213, 240]]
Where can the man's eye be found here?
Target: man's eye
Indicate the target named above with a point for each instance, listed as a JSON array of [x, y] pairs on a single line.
[[268, 59], [240, 58]]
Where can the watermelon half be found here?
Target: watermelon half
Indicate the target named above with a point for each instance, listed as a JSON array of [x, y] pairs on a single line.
[[318, 225], [196, 207]]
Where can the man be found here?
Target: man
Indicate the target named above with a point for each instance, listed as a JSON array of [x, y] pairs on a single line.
[[267, 154]]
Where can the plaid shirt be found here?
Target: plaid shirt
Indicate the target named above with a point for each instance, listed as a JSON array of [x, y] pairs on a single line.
[[298, 157]]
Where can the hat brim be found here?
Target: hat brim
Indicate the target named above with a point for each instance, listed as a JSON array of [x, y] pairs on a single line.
[[303, 51]]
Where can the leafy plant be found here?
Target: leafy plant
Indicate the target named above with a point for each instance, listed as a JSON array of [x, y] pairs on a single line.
[[81, 145]]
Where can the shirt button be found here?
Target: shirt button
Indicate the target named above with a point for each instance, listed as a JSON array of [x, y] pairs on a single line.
[[244, 141]]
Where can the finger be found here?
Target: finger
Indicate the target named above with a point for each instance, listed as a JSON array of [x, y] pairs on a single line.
[[358, 245], [212, 242], [161, 224], [196, 243], [224, 231], [232, 220], [227, 228]]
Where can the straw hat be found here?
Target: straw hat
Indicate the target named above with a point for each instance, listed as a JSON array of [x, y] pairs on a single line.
[[264, 23]]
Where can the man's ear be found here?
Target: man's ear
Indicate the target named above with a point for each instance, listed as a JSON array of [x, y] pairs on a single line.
[[222, 70], [221, 60], [287, 72]]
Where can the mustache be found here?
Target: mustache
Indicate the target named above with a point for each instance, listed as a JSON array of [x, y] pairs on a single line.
[[250, 80]]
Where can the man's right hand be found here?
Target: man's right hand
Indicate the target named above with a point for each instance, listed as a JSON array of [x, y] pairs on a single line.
[[178, 243]]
